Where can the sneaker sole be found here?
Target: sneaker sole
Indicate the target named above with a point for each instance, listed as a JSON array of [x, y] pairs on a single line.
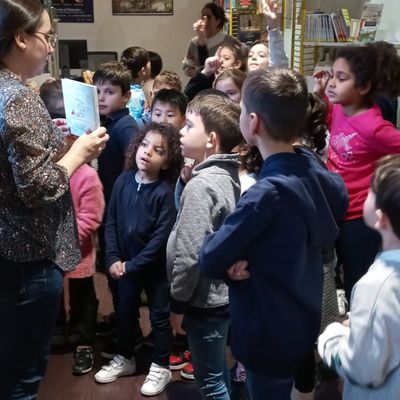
[[159, 391], [189, 377], [82, 372], [114, 378], [177, 367]]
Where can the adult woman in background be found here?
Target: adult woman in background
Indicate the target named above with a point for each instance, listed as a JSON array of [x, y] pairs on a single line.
[[38, 236]]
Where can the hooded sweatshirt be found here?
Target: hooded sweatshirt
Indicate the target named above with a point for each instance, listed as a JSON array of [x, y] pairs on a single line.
[[207, 199], [280, 226]]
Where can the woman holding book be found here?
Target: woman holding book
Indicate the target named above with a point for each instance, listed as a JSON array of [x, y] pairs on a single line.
[[38, 236]]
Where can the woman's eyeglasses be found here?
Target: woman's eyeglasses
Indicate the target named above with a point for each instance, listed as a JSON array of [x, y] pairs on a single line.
[[51, 38]]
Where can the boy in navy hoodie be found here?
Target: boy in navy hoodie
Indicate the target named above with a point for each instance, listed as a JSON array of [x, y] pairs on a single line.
[[270, 247]]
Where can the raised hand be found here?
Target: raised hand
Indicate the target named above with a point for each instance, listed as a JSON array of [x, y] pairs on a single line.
[[269, 10]]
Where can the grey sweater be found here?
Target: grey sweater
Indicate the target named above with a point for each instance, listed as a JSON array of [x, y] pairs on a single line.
[[206, 201]]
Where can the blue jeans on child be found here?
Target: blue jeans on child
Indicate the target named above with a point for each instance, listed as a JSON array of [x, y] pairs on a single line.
[[261, 387], [207, 336], [29, 299], [158, 295]]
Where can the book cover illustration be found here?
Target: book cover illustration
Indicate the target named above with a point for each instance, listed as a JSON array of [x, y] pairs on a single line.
[[370, 17], [81, 106]]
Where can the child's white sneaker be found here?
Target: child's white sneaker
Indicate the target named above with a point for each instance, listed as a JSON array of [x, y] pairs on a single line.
[[156, 380], [118, 366]]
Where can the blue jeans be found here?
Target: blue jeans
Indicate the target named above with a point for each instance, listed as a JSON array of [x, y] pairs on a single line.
[[158, 295], [262, 387], [207, 338], [29, 299]]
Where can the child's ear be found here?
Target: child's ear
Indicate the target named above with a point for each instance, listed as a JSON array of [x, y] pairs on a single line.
[[213, 141], [237, 64], [382, 221], [365, 89], [126, 96]]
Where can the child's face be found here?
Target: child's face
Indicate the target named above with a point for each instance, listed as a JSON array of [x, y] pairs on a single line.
[[341, 88], [111, 98], [166, 113], [194, 137], [151, 156], [258, 57], [227, 59], [369, 211], [229, 88]]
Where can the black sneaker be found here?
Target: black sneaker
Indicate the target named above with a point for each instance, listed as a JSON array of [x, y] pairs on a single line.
[[83, 360], [108, 326]]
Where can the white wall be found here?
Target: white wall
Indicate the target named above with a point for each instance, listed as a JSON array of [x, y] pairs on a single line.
[[167, 35]]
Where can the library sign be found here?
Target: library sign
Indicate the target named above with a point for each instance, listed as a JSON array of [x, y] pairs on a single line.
[[74, 10]]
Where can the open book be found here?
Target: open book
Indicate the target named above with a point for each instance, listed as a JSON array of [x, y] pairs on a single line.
[[81, 106]]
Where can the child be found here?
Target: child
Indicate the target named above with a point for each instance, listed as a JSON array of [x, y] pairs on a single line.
[[88, 200], [227, 56], [210, 134], [140, 217], [364, 349], [112, 80], [359, 137], [169, 107], [155, 69], [137, 60], [165, 80], [230, 82], [271, 246]]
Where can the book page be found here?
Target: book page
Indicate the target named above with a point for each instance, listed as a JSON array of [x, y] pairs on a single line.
[[81, 106]]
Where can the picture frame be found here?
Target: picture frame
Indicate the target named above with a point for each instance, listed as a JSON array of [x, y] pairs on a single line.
[[142, 7]]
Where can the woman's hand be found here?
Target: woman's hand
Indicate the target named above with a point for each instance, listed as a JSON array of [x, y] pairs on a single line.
[[88, 147], [200, 27]]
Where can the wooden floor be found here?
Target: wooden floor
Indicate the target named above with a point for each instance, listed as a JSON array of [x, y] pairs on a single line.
[[60, 384]]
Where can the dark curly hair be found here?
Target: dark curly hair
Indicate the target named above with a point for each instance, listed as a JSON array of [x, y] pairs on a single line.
[[250, 158], [170, 136], [377, 64], [314, 131]]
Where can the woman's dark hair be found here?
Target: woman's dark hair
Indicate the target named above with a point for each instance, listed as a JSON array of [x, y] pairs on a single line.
[[217, 11], [377, 64], [156, 63], [135, 58], [170, 137], [17, 16]]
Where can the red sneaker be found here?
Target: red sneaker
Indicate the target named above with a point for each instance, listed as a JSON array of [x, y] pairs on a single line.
[[179, 360], [188, 372]]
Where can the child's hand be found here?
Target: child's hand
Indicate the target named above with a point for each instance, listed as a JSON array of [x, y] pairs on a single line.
[[321, 79], [61, 123], [186, 172], [269, 11], [239, 271], [117, 270], [346, 322], [176, 323], [212, 64]]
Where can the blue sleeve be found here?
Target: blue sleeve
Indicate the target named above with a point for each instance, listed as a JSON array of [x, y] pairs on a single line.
[[112, 252], [229, 244], [156, 246]]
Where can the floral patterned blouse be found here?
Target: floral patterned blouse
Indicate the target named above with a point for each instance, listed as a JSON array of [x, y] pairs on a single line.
[[37, 220]]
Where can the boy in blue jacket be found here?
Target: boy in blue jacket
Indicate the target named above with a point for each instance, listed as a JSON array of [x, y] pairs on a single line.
[[271, 245]]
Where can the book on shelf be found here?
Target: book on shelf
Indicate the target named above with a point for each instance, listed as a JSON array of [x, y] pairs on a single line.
[[370, 18], [81, 106]]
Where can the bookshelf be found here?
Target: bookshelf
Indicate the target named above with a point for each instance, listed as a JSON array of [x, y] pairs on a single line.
[[305, 52]]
